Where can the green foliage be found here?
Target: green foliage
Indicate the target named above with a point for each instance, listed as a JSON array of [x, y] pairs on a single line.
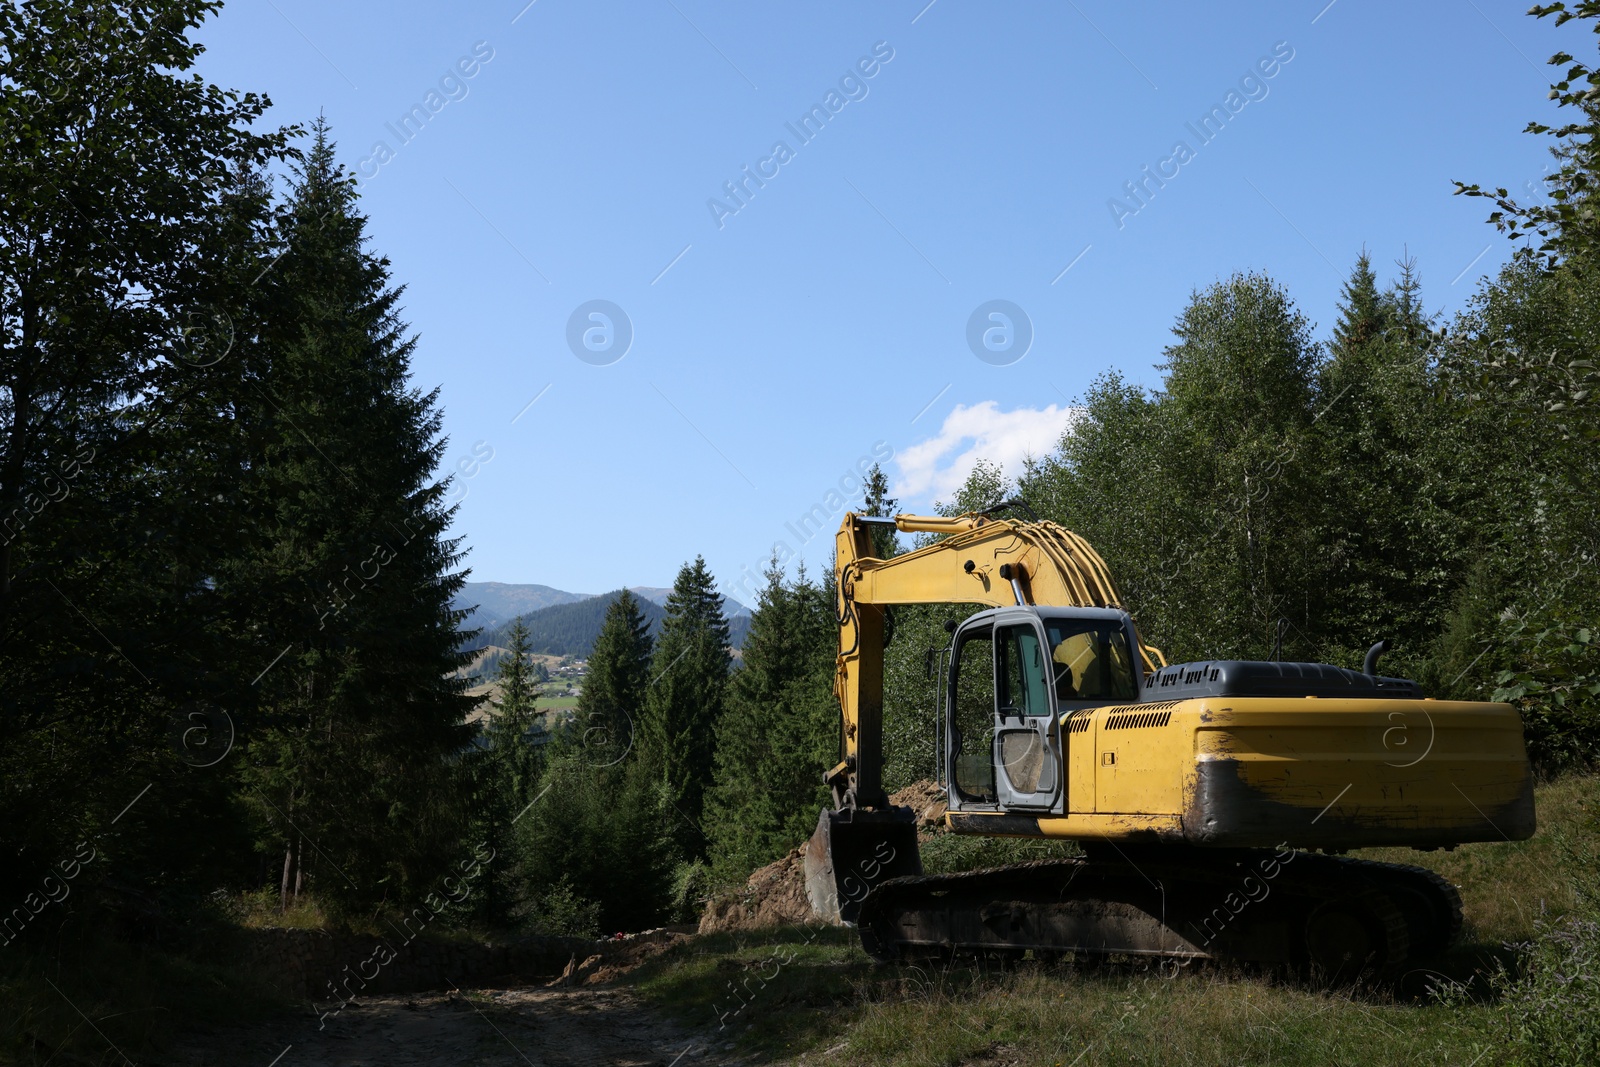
[[603, 831], [1393, 520], [1202, 498], [878, 502], [562, 911], [108, 474], [1526, 354], [1551, 1007], [614, 687], [780, 729], [684, 700], [910, 730], [357, 569], [691, 886], [1566, 227], [1366, 492], [1555, 680], [506, 779]]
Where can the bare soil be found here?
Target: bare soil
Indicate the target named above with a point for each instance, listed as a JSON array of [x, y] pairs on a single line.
[[542, 1026], [775, 895]]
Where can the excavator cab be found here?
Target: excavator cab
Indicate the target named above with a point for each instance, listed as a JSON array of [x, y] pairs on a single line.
[[1015, 673]]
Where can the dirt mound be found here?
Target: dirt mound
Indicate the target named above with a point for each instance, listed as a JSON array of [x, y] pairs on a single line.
[[925, 798], [775, 895], [614, 957]]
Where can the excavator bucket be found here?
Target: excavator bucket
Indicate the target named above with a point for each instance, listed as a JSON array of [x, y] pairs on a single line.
[[852, 851]]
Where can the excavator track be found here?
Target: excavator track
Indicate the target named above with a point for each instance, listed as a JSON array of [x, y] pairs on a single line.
[[1326, 915]]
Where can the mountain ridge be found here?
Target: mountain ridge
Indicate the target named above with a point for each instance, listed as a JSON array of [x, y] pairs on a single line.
[[570, 629], [490, 605]]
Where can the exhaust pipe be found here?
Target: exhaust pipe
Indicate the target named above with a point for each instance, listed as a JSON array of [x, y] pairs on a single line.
[[1369, 666]]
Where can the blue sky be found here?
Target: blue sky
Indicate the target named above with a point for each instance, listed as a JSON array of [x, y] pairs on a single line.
[[970, 153]]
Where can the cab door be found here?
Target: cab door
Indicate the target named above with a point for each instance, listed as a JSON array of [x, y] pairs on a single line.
[[969, 718], [1029, 771]]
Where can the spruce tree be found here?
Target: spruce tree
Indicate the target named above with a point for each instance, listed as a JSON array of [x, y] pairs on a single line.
[[513, 733], [1389, 535], [878, 502], [779, 731], [507, 776], [684, 699], [612, 698], [1364, 315], [356, 778]]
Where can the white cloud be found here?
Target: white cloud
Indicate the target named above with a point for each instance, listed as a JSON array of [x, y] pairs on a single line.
[[934, 469]]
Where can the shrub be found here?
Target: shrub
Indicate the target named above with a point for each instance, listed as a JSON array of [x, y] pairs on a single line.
[[1552, 1008]]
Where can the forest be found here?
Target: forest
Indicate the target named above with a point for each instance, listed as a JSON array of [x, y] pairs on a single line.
[[228, 559]]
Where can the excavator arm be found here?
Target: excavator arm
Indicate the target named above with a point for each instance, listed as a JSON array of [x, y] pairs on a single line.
[[983, 561]]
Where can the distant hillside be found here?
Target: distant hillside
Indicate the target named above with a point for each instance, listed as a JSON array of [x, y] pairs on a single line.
[[571, 629], [658, 595], [499, 602]]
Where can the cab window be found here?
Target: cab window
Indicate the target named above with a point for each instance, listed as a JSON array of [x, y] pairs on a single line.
[[1090, 660], [1019, 672], [972, 704]]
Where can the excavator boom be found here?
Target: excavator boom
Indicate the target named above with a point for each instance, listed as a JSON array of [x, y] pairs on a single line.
[[981, 561]]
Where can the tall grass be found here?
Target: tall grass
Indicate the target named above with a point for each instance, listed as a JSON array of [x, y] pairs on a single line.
[[807, 991]]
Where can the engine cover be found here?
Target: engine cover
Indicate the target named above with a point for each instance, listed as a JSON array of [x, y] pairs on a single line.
[[1270, 678]]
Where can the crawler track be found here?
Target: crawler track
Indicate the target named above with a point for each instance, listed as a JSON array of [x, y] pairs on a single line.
[[1325, 914]]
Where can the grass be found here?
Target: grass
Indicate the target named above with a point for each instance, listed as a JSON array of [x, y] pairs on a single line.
[[809, 991], [82, 996], [260, 909], [1505, 885], [785, 994]]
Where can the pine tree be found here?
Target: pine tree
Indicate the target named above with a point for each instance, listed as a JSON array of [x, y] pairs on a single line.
[[684, 699], [779, 731], [1364, 315], [506, 777], [351, 555], [612, 698], [885, 539], [516, 721], [1389, 541]]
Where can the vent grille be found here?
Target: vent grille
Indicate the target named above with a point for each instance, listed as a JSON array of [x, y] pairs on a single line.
[[1079, 721], [1134, 709], [1128, 721], [1185, 674]]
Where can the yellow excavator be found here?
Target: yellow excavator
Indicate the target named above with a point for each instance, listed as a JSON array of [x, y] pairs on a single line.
[[1212, 800]]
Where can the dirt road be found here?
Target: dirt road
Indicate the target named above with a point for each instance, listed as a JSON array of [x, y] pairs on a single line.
[[524, 1027]]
